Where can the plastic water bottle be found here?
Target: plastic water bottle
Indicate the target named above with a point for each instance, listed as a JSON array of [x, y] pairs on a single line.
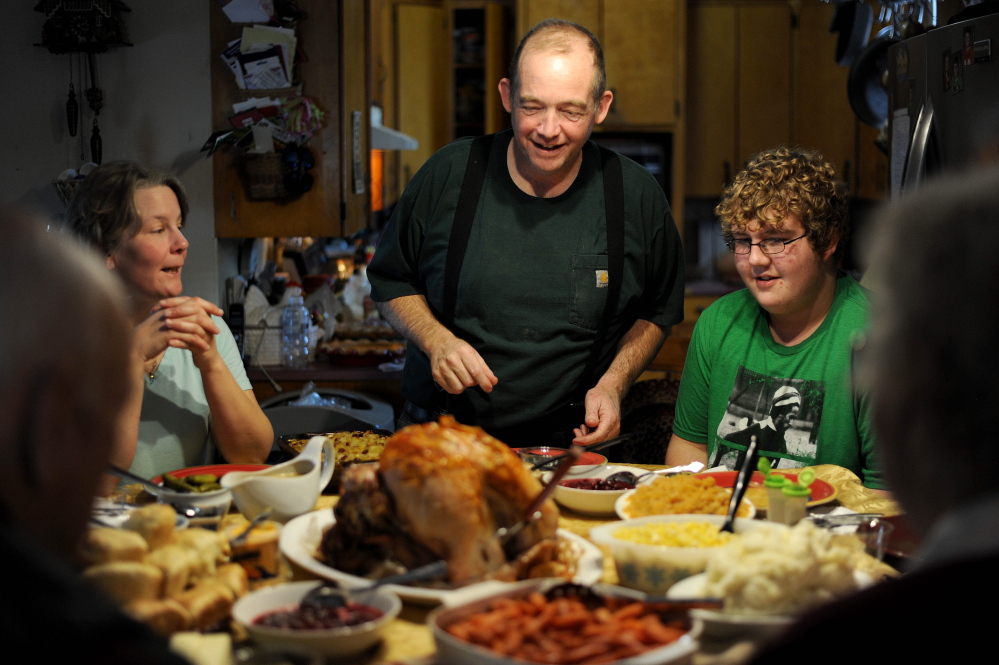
[[295, 331]]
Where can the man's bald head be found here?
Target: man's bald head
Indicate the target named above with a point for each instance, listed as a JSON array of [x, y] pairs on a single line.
[[560, 36]]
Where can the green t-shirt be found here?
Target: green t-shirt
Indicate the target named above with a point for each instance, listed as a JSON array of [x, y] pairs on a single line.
[[530, 295], [737, 381]]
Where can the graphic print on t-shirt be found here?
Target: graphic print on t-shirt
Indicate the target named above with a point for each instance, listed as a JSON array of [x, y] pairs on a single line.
[[783, 414]]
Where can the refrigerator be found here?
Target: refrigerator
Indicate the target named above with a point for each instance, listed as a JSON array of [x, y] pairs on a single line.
[[943, 101]]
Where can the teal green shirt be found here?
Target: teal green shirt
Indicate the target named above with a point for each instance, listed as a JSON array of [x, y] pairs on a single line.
[[173, 427], [530, 295]]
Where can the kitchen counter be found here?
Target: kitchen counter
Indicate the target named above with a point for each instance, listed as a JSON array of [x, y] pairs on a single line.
[[370, 380]]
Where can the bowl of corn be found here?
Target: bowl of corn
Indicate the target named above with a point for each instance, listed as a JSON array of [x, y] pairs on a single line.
[[652, 554]]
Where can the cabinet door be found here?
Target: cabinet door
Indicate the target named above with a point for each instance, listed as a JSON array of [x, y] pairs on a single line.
[[823, 119], [765, 49], [642, 44], [711, 98], [584, 12], [317, 212], [422, 63], [355, 115]]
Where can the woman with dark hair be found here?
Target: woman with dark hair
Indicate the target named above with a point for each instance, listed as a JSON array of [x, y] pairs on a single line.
[[186, 368]]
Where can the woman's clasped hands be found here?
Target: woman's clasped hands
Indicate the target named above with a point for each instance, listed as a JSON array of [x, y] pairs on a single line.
[[181, 322]]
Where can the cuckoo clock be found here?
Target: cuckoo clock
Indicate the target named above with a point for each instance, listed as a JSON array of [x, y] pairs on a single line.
[[83, 26], [89, 26]]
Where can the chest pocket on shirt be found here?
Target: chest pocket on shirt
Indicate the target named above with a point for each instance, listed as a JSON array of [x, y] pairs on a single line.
[[589, 290]]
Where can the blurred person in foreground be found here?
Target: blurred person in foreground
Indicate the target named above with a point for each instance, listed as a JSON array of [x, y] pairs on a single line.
[[187, 372], [63, 380], [932, 369], [773, 360]]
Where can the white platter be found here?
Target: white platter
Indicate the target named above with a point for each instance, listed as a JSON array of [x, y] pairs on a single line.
[[301, 536]]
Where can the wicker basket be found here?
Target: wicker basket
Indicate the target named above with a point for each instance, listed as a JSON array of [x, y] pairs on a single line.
[[263, 344], [66, 189], [263, 176]]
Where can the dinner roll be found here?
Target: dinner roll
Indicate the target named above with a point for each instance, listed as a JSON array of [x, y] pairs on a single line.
[[126, 581], [155, 522], [103, 544]]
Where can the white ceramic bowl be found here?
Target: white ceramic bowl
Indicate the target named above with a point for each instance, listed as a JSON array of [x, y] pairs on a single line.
[[655, 568], [197, 504], [453, 651], [334, 642], [202, 504], [594, 502]]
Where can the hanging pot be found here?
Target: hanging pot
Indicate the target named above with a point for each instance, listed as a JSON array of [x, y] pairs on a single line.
[[866, 85], [853, 20]]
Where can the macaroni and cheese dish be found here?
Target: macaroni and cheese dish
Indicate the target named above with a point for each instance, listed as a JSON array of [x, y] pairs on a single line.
[[682, 494]]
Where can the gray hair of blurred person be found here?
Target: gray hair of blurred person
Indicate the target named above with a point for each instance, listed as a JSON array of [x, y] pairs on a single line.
[[932, 357], [102, 212], [554, 34], [62, 378]]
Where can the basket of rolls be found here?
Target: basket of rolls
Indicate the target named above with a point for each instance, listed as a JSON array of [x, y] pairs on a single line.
[[171, 579]]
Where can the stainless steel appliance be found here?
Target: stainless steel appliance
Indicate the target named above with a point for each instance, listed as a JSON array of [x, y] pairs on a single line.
[[943, 100]]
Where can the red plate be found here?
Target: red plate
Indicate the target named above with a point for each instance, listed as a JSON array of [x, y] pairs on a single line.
[[903, 541], [821, 491], [542, 451], [214, 469]]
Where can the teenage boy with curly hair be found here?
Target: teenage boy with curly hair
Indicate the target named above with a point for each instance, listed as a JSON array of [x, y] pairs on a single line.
[[787, 337]]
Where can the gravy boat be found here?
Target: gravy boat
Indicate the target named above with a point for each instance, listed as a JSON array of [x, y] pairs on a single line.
[[290, 488]]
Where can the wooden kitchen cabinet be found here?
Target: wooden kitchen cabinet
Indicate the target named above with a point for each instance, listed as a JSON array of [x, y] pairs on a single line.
[[762, 73], [415, 55], [823, 118], [643, 43], [739, 81], [430, 87], [336, 75]]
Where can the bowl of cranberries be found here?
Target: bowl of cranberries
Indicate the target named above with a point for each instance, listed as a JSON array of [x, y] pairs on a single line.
[[595, 493], [293, 614]]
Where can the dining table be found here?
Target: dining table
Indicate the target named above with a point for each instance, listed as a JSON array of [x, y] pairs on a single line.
[[409, 640]]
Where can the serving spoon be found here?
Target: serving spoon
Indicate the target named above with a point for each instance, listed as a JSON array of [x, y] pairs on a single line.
[[147, 485], [331, 594], [533, 511], [241, 537], [154, 489], [592, 448], [629, 477], [741, 484]]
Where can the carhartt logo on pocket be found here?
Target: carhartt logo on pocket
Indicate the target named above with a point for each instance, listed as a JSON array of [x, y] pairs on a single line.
[[601, 278]]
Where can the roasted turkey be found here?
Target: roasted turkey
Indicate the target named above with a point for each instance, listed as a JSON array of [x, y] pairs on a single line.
[[439, 491]]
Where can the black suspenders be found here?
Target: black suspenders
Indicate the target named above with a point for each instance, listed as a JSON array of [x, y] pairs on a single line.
[[461, 230], [464, 215]]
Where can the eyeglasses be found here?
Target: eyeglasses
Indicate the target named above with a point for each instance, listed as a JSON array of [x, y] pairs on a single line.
[[767, 245]]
